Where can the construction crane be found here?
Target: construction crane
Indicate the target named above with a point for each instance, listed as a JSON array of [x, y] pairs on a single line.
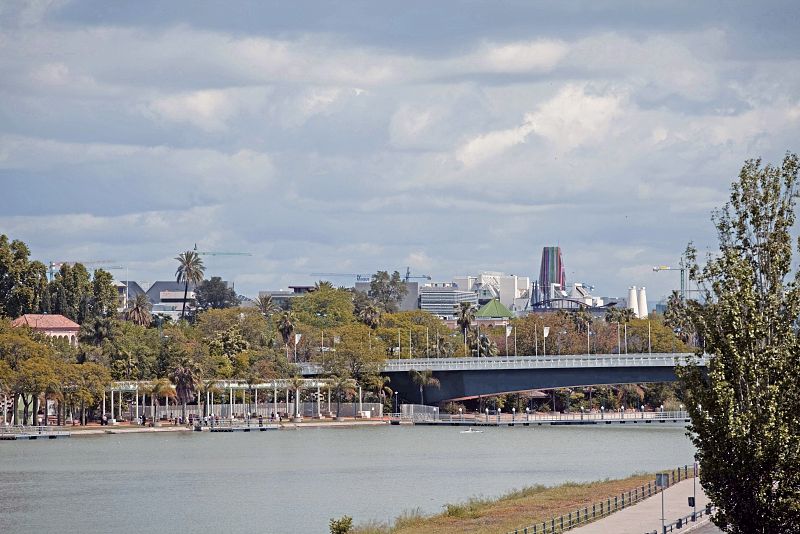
[[206, 253], [682, 268], [358, 277], [408, 276]]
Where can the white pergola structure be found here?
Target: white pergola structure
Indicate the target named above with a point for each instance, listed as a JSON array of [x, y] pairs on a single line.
[[229, 388]]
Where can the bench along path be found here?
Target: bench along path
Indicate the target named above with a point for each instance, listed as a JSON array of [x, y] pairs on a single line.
[[646, 515]]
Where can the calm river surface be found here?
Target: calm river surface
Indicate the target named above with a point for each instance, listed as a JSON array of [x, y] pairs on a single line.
[[294, 481]]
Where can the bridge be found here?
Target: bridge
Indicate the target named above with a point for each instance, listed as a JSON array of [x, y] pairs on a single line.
[[465, 378]]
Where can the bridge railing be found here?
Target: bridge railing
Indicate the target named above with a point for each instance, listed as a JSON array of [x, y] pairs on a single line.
[[542, 362]]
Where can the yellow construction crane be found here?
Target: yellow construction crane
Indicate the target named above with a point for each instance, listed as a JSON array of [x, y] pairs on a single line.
[[682, 268]]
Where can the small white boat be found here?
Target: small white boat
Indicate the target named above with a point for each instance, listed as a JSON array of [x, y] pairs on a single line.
[[471, 431]]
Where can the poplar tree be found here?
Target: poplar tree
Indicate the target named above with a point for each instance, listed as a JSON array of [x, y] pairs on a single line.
[[745, 407]]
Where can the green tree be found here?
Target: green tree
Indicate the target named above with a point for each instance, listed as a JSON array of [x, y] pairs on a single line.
[[71, 292], [23, 283], [104, 297], [89, 382], [744, 410], [215, 294], [190, 271], [326, 307], [387, 290], [424, 379], [138, 311]]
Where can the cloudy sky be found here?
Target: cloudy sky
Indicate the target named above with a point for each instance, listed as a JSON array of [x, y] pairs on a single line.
[[451, 137]]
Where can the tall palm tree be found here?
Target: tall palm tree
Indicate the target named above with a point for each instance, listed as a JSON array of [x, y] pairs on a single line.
[[465, 316], [266, 305], [342, 386], [138, 311], [186, 377], [323, 284], [190, 271], [370, 315], [286, 328], [424, 379], [161, 388]]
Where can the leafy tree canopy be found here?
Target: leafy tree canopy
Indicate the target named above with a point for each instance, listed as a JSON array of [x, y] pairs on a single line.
[[215, 294], [327, 307], [744, 410]]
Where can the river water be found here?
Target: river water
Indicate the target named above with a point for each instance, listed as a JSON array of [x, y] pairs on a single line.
[[296, 480]]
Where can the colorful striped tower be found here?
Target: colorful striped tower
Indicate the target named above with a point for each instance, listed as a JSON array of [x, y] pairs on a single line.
[[551, 271]]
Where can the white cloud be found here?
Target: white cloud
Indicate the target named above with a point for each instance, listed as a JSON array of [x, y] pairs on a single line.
[[568, 120], [210, 110]]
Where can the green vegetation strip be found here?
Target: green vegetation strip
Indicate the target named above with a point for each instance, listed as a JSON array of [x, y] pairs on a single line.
[[526, 506]]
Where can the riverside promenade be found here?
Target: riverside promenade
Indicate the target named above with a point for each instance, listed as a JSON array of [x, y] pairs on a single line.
[[645, 517]]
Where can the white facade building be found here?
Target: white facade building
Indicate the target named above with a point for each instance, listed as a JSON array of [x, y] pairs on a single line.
[[513, 291]]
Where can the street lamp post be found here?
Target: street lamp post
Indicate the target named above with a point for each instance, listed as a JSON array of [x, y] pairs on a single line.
[[487, 415], [602, 412], [513, 415], [527, 414]]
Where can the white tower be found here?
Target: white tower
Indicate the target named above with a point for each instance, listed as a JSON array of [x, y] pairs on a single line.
[[642, 303], [633, 302]]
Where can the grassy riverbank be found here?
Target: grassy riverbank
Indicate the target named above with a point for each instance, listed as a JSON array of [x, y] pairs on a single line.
[[513, 510]]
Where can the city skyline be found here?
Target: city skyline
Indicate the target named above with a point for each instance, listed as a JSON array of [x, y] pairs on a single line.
[[453, 140]]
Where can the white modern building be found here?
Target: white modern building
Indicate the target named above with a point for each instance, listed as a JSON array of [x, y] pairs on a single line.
[[443, 300], [513, 291]]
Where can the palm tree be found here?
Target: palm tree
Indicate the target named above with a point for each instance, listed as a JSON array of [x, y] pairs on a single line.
[[138, 311], [265, 305], [370, 315], [465, 315], [486, 346], [342, 385], [161, 388], [379, 384], [424, 379], [323, 284], [190, 271], [286, 328], [186, 377]]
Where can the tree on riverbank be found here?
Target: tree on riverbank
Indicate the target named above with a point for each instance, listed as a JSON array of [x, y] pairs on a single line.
[[745, 409]]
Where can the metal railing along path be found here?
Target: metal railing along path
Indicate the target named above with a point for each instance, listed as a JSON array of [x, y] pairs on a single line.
[[14, 432], [548, 417], [685, 520], [587, 514]]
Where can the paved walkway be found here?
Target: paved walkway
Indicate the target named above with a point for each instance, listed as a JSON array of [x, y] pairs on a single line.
[[646, 516]]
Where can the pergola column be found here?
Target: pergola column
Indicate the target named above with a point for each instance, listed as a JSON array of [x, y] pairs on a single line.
[[319, 403], [137, 402], [112, 405], [275, 400]]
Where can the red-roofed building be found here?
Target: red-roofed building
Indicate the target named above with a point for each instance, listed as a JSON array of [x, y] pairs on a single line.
[[50, 325]]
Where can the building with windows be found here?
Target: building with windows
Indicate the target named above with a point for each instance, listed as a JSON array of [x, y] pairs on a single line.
[[443, 300]]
